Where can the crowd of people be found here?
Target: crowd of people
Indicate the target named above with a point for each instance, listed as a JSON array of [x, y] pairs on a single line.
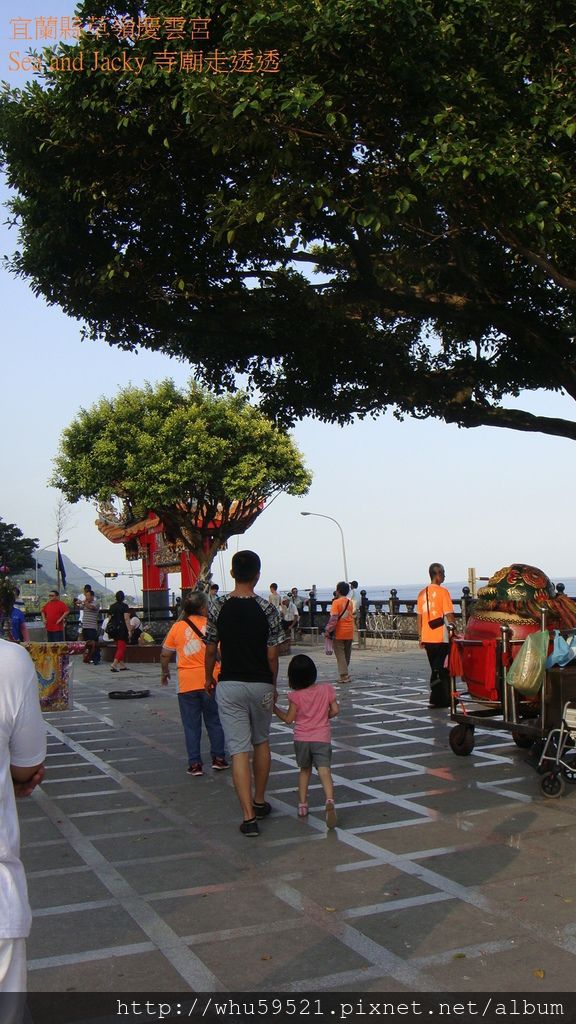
[[227, 656], [122, 625], [227, 649]]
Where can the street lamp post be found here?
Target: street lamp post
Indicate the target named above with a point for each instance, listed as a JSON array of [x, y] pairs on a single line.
[[54, 544], [321, 516], [105, 576]]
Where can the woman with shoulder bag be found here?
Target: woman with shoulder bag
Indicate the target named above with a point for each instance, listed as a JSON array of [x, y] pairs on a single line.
[[187, 639], [341, 629], [118, 629]]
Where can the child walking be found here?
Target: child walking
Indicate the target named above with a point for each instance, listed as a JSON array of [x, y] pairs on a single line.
[[312, 705]]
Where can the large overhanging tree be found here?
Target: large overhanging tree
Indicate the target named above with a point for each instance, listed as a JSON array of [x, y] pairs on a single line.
[[16, 550], [206, 466], [388, 220]]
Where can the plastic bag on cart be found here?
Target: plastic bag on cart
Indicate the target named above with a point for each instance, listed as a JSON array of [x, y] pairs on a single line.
[[562, 653], [526, 673]]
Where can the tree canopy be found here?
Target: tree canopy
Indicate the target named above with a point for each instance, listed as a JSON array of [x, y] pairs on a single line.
[[205, 465], [16, 550], [386, 217]]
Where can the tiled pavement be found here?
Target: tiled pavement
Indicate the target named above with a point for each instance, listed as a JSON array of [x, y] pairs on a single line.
[[446, 873]]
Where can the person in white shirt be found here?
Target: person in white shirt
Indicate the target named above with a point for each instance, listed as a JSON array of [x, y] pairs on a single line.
[[289, 615], [274, 596], [135, 629], [22, 753]]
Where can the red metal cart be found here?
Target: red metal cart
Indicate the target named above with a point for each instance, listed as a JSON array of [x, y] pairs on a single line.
[[484, 697]]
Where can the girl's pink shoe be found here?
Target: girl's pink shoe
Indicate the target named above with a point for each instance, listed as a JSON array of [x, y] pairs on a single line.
[[302, 810]]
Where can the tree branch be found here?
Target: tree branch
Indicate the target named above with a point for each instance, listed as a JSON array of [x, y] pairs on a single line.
[[536, 259], [470, 414]]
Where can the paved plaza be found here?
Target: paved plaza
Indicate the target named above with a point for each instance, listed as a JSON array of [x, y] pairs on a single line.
[[446, 873]]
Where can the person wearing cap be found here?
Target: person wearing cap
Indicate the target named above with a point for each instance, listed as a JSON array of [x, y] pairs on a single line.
[[18, 628]]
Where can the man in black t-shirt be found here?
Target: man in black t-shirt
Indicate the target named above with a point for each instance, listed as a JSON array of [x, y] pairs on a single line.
[[249, 632]]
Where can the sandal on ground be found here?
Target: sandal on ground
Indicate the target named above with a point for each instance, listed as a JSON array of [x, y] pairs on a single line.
[[346, 679], [331, 816], [302, 810], [261, 810], [128, 694]]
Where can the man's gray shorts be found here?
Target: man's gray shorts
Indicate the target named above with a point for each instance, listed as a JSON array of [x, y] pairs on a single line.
[[308, 754], [245, 711]]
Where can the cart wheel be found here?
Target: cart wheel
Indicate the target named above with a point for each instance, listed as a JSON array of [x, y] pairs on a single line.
[[521, 739], [461, 739], [552, 784], [569, 774]]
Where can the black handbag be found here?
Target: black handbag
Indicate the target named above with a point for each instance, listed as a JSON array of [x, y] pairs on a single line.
[[114, 629]]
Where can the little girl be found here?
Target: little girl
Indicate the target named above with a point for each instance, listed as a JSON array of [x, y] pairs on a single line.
[[312, 705]]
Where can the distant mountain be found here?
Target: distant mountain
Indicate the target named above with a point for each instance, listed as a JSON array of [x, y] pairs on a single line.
[[76, 576]]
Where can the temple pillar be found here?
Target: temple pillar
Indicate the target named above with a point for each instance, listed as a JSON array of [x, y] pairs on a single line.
[[155, 589]]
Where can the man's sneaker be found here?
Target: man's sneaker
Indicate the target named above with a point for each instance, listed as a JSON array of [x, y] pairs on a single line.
[[250, 828], [219, 764], [195, 769]]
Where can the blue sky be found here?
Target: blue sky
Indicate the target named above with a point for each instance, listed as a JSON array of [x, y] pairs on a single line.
[[404, 493]]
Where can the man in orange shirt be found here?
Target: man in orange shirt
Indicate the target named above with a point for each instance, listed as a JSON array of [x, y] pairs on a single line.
[[186, 637], [435, 613], [341, 628]]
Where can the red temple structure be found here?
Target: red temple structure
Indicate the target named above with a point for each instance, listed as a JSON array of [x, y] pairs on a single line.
[[161, 551]]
